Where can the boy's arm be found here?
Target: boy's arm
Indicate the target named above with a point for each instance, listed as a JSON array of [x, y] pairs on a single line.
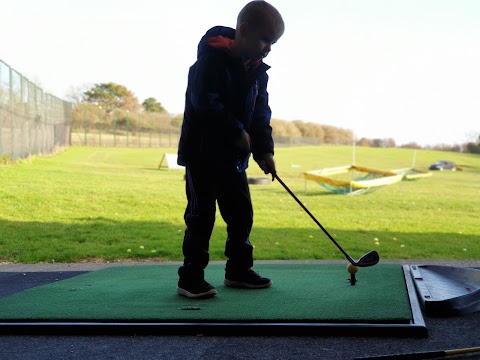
[[261, 131]]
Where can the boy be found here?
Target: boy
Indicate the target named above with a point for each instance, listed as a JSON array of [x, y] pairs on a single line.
[[227, 118]]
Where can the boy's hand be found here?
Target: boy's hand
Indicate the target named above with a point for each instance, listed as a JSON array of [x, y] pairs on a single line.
[[243, 143], [268, 166]]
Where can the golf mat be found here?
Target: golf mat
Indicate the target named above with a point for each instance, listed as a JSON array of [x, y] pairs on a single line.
[[303, 298]]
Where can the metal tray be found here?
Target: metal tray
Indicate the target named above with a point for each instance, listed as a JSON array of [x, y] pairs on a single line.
[[446, 290]]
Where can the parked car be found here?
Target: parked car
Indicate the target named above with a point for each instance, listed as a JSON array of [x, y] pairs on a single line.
[[443, 165]]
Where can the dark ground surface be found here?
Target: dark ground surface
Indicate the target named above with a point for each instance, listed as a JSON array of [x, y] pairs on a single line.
[[443, 333]]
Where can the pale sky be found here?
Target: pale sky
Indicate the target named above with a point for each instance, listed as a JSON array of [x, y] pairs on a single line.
[[402, 69]]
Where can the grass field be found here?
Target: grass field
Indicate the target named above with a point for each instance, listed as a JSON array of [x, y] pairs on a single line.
[[89, 204]]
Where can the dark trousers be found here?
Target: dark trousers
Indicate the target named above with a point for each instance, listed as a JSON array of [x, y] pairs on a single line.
[[204, 189]]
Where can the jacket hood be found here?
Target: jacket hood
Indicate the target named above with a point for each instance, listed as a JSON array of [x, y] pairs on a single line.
[[222, 39]]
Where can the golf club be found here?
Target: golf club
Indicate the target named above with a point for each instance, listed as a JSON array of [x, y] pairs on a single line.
[[369, 259], [423, 355]]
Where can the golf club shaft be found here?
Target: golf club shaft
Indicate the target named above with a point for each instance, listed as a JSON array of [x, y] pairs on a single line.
[[422, 355], [349, 258]]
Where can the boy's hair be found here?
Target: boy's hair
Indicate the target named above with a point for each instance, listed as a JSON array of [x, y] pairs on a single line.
[[259, 13]]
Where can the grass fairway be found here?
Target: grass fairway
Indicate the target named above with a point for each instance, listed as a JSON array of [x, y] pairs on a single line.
[[87, 204]]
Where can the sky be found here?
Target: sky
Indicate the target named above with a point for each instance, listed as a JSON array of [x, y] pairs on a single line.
[[402, 69]]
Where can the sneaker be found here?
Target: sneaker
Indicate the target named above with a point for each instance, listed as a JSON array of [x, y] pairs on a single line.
[[246, 279], [195, 289]]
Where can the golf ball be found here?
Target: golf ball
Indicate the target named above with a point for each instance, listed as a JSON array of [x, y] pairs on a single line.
[[352, 269]]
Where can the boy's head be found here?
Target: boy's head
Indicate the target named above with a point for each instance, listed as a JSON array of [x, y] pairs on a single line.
[[259, 26]]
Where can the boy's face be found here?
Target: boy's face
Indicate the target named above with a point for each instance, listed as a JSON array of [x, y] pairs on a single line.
[[257, 42]]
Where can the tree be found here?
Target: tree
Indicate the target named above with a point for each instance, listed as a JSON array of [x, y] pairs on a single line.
[[377, 143], [310, 129], [152, 105], [76, 94], [364, 142], [390, 143], [112, 96], [411, 145], [177, 120], [331, 134], [472, 148]]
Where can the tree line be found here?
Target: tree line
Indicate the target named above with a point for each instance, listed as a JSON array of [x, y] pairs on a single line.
[[107, 103]]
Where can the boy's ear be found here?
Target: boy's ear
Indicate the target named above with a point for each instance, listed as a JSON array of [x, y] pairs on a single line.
[[243, 28]]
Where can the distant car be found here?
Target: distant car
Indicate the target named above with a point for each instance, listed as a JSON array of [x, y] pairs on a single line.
[[443, 165]]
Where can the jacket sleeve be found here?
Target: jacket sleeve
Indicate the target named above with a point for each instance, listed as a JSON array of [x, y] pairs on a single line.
[[261, 131]]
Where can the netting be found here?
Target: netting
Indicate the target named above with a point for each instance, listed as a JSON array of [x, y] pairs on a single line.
[[352, 179], [410, 174]]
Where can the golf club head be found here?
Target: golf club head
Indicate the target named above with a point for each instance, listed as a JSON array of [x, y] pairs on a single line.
[[369, 259]]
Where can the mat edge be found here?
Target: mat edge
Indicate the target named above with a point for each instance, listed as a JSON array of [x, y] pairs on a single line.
[[416, 328]]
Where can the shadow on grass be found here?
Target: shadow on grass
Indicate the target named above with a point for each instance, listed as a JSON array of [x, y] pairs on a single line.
[[89, 238], [100, 238]]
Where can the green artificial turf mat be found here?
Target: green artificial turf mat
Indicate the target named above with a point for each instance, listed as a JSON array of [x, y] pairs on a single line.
[[300, 292]]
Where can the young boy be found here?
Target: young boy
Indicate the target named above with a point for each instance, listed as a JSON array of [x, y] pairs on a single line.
[[227, 118]]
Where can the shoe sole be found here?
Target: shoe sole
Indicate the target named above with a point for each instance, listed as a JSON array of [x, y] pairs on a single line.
[[239, 284], [208, 294]]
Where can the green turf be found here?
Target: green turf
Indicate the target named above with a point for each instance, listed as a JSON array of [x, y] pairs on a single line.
[[108, 204], [300, 292]]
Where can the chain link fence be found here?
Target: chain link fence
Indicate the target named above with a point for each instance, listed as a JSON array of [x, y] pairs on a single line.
[[94, 126], [31, 121]]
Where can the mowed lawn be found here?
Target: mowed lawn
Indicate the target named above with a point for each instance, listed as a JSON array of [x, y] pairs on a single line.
[[99, 204]]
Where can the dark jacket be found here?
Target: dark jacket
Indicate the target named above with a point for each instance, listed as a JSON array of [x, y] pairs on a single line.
[[223, 99]]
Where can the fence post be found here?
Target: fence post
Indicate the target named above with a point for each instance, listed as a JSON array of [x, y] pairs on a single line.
[[139, 127], [127, 128], [85, 124], [160, 131], [37, 119], [114, 128], [31, 97], [169, 131], [22, 112], [99, 126], [11, 116], [45, 116], [151, 127]]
